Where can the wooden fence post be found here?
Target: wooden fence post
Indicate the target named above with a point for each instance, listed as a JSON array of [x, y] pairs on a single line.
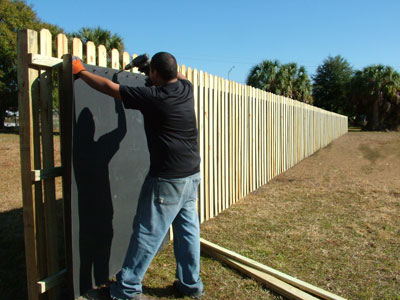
[[46, 116], [27, 82]]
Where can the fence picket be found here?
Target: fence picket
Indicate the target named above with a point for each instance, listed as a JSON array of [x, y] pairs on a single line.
[[77, 48], [90, 53], [201, 146], [125, 60], [49, 199], [62, 45], [102, 56], [115, 59]]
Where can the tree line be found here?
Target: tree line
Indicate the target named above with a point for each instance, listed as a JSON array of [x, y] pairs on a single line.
[[369, 97]]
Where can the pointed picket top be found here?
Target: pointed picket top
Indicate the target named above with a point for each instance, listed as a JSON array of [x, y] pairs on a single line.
[[125, 60], [102, 56], [115, 59], [62, 45], [90, 53], [45, 43], [77, 48], [183, 70]]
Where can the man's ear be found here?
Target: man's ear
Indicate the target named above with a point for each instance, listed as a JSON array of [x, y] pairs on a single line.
[[155, 77]]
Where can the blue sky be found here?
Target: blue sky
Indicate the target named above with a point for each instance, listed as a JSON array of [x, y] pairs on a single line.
[[214, 36]]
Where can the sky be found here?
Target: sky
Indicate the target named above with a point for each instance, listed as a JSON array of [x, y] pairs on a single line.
[[227, 38]]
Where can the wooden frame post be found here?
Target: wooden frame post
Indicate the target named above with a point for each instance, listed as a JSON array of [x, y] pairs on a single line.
[[27, 83]]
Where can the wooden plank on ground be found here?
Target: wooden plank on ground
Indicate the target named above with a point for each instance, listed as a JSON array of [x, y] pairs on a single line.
[[276, 285], [209, 246]]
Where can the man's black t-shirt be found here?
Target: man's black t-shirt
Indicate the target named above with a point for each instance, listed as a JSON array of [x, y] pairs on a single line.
[[170, 126]]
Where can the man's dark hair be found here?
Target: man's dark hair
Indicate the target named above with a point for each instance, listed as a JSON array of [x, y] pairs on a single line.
[[165, 64]]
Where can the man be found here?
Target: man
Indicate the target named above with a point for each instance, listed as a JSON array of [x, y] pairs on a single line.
[[168, 195]]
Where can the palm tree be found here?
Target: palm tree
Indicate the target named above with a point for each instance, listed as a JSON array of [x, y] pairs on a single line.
[[263, 75], [302, 86], [287, 79], [100, 36], [376, 91]]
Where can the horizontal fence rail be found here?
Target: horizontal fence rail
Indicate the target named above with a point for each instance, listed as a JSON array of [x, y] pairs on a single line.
[[246, 138]]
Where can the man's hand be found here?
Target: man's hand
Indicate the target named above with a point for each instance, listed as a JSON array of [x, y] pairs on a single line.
[[77, 66]]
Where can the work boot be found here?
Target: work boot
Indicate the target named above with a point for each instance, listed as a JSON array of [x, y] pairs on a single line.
[[104, 294], [98, 294], [197, 295]]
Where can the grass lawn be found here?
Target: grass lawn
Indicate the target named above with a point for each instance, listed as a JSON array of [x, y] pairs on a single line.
[[333, 220]]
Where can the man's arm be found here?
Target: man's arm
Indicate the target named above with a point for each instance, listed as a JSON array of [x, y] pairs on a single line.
[[97, 82], [101, 84]]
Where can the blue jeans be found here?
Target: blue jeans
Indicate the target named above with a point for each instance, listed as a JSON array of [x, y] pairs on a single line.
[[163, 202]]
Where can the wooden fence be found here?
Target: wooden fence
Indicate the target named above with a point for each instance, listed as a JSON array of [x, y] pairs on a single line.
[[246, 138]]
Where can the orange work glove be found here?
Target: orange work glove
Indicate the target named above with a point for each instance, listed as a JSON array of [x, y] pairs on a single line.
[[77, 66]]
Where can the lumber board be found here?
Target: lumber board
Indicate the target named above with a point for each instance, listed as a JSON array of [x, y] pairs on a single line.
[[36, 164], [231, 144], [66, 102], [27, 43], [220, 140], [206, 152], [210, 144], [49, 193], [54, 280], [43, 61], [236, 143], [276, 285], [216, 147], [226, 141], [246, 138], [209, 246], [201, 145], [39, 175]]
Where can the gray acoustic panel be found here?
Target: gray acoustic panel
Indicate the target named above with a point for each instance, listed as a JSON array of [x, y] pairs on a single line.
[[109, 163]]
